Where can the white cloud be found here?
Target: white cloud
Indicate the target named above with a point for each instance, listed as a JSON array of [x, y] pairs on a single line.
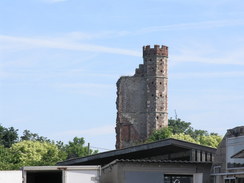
[[207, 74], [27, 43], [198, 51], [230, 58], [95, 35]]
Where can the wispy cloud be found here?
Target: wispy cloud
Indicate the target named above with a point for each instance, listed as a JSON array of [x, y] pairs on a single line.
[[23, 42], [171, 27], [208, 53], [207, 75], [96, 35], [230, 58], [193, 25]]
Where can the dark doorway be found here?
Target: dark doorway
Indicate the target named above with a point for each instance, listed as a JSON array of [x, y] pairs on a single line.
[[178, 178], [240, 180], [44, 177]]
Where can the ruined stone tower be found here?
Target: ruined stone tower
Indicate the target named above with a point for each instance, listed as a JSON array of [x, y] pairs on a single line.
[[142, 99]]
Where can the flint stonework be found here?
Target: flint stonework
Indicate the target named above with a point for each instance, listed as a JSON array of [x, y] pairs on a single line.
[[142, 99]]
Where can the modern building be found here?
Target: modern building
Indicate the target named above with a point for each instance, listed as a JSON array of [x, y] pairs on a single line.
[[228, 166], [165, 161]]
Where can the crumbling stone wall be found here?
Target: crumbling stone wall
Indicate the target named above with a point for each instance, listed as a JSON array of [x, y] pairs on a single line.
[[142, 99]]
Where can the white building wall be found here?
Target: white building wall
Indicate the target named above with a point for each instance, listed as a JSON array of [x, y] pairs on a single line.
[[11, 176], [81, 176]]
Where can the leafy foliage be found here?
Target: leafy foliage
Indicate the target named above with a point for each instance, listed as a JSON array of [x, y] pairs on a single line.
[[162, 133], [35, 150], [7, 159], [185, 137], [211, 140], [183, 131], [27, 135], [77, 149], [33, 153], [8, 136], [177, 126]]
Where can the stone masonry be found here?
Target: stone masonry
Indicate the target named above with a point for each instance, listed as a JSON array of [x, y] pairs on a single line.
[[142, 99]]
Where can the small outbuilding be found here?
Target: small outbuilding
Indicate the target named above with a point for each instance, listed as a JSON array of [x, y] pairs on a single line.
[[165, 161]]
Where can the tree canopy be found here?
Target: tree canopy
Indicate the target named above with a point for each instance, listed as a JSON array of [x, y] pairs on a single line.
[[182, 130], [76, 148], [32, 153], [8, 136], [32, 149], [27, 135]]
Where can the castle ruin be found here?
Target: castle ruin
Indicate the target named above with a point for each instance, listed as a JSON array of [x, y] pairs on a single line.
[[142, 99]]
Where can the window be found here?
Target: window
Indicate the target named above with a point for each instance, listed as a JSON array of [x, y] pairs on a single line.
[[217, 169], [230, 180], [178, 178]]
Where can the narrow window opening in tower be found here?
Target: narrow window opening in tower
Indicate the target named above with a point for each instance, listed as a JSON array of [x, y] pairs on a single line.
[[160, 82], [160, 95], [152, 82], [157, 117], [152, 95], [161, 71]]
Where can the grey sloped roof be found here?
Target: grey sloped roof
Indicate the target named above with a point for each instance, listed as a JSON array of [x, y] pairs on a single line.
[[159, 161], [143, 151], [142, 161], [239, 154]]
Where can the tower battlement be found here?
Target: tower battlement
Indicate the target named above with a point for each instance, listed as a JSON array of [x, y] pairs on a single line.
[[157, 50], [142, 99]]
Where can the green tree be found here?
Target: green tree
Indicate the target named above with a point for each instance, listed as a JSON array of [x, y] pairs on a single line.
[[76, 148], [185, 137], [6, 159], [159, 134], [27, 135], [182, 130], [197, 134], [179, 126], [8, 136], [32, 153], [210, 140]]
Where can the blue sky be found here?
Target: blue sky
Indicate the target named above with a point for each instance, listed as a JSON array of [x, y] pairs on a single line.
[[60, 60]]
